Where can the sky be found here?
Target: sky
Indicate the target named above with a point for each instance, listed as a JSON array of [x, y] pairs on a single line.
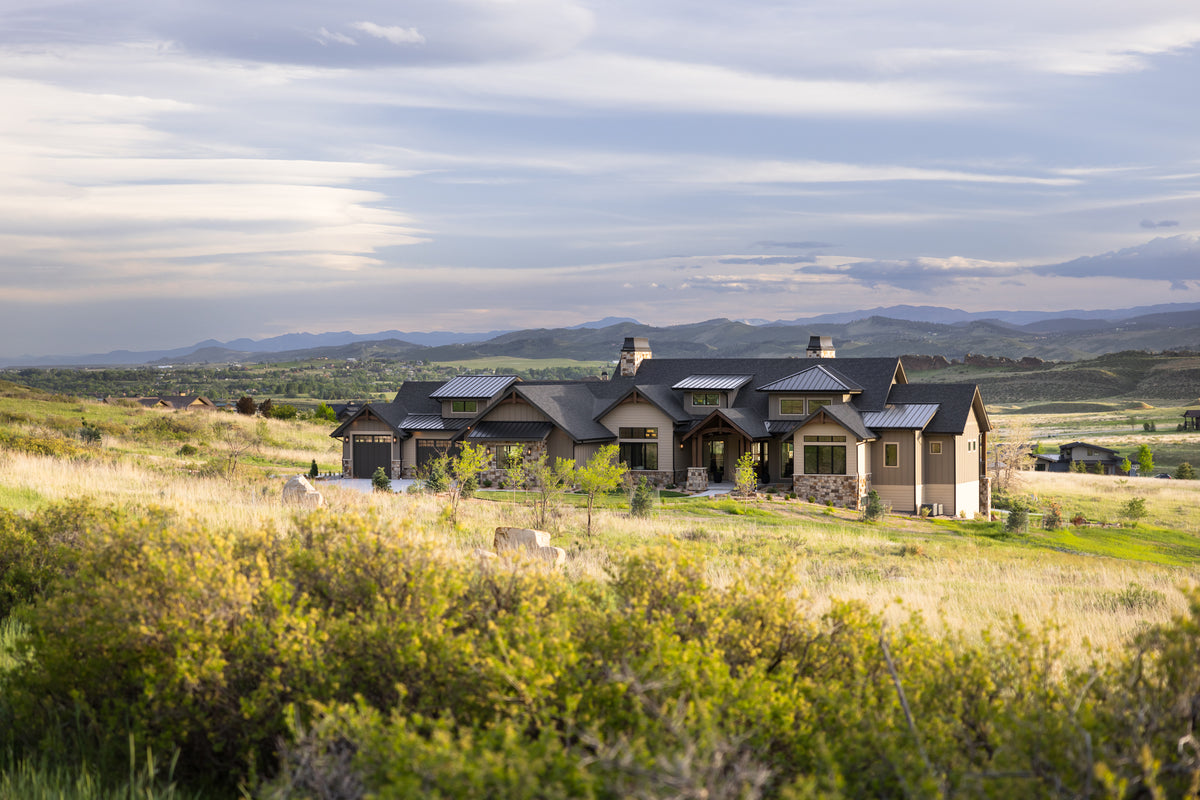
[[174, 171]]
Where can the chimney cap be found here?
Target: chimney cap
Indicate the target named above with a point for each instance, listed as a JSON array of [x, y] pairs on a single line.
[[636, 343]]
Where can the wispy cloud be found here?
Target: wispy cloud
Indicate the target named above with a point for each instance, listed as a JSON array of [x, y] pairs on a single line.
[[392, 33]]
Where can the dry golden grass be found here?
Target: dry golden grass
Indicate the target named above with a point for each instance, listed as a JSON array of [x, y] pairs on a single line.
[[957, 582]]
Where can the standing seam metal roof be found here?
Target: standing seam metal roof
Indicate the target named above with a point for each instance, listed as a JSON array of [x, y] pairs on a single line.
[[915, 415], [473, 387], [714, 382], [813, 379]]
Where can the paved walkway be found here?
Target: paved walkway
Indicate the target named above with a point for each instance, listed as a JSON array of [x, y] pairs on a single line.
[[399, 485], [716, 490]]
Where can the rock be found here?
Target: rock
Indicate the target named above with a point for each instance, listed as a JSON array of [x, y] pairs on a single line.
[[298, 491], [519, 538], [530, 541]]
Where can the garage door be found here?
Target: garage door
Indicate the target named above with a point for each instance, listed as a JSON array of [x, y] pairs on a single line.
[[370, 453]]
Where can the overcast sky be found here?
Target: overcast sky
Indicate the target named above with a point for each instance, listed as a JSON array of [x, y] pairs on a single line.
[[174, 171]]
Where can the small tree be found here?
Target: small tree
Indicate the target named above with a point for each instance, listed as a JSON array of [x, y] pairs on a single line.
[[266, 407], [324, 411], [1126, 465], [380, 481], [313, 471], [89, 434], [1145, 459], [1018, 518], [602, 473], [1078, 466], [744, 477], [247, 406], [1011, 453], [435, 473], [874, 509], [465, 468], [1053, 518], [642, 501], [1134, 510], [548, 483], [1185, 472]]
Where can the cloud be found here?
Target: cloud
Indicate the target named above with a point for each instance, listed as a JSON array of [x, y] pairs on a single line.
[[393, 33], [918, 274], [1175, 259], [1166, 223], [770, 260]]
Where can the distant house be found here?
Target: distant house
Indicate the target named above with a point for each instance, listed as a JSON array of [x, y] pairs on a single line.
[[1092, 456], [181, 402], [1191, 419], [344, 411], [827, 428]]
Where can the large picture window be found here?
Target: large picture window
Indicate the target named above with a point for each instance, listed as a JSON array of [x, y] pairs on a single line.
[[822, 459], [639, 455]]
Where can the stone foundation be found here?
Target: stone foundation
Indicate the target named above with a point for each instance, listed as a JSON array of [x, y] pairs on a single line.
[[347, 468], [846, 491], [659, 478], [985, 496]]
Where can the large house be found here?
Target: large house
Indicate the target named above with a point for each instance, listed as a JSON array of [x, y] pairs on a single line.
[[1093, 457], [828, 428]]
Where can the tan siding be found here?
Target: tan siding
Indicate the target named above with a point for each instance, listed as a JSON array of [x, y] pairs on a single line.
[[559, 446], [828, 429], [900, 498], [408, 452], [583, 452], [361, 425], [967, 466], [939, 468], [645, 415], [516, 412], [902, 475], [941, 493]]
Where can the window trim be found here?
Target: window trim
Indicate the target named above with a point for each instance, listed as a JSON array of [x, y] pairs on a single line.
[[891, 452], [464, 406], [799, 400], [933, 451], [833, 450], [714, 396], [820, 402]]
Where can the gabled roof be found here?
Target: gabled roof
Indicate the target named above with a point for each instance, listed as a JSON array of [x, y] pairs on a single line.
[[473, 387], [814, 379], [660, 397], [956, 402], [389, 413], [908, 416], [746, 423], [1071, 445], [716, 383], [845, 415], [510, 431], [571, 406]]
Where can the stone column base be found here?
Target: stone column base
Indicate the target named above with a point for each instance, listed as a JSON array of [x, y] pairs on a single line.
[[697, 479]]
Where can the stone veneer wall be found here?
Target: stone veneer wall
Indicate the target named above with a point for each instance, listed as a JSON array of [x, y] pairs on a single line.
[[497, 476], [658, 478], [842, 490], [985, 496]]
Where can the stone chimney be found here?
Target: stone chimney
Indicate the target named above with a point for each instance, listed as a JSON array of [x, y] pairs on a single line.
[[821, 347], [633, 353]]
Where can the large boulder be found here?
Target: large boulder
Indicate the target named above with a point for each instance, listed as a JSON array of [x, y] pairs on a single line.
[[529, 541], [299, 492]]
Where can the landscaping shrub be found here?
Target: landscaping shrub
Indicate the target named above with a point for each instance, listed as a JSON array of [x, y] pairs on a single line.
[[1134, 510], [1185, 472], [1018, 518], [313, 470], [873, 509], [380, 481], [641, 503]]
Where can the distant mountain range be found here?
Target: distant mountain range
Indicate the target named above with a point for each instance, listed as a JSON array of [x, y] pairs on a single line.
[[895, 330]]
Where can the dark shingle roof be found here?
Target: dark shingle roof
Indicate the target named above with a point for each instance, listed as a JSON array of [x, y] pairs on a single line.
[[955, 401], [571, 406], [848, 417]]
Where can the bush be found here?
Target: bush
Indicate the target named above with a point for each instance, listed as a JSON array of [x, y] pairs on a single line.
[[380, 481], [246, 406], [325, 412], [1053, 518], [435, 474], [642, 501], [1018, 519], [281, 411], [313, 469], [873, 509], [1134, 510], [1185, 472], [187, 451]]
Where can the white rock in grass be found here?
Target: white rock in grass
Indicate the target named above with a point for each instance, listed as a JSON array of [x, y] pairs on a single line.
[[298, 491]]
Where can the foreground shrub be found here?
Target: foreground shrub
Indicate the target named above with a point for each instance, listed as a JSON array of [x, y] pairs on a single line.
[[389, 668]]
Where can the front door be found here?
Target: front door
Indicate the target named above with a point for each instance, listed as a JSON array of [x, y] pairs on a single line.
[[713, 455]]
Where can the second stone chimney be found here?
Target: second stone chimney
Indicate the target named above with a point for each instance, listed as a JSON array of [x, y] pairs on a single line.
[[635, 350], [821, 347]]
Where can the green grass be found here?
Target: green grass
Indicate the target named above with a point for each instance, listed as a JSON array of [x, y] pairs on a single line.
[[20, 498]]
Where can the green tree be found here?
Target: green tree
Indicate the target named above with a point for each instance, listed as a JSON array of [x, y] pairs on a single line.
[[1018, 518], [313, 471], [642, 501], [380, 481], [1078, 466], [547, 484], [1185, 472], [602, 473], [325, 411], [266, 407], [1145, 460], [1126, 465], [246, 405], [873, 510], [744, 477], [465, 467], [1134, 510]]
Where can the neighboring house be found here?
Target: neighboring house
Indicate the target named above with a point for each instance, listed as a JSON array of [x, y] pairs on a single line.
[[343, 411], [181, 402], [827, 428], [1191, 419], [1090, 455]]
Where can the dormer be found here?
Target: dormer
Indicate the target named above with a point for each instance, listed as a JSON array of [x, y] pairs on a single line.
[[705, 393], [807, 391], [467, 395]]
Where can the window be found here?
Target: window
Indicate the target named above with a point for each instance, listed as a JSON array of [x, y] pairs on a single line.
[[637, 433], [972, 446], [891, 455], [824, 459], [935, 448], [429, 449], [363, 438], [706, 398], [505, 453], [637, 455], [791, 406], [788, 455], [824, 438], [818, 402], [463, 406]]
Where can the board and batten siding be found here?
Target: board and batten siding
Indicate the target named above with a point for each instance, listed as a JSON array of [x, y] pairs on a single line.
[[968, 460], [645, 415], [897, 486], [583, 452], [515, 412]]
